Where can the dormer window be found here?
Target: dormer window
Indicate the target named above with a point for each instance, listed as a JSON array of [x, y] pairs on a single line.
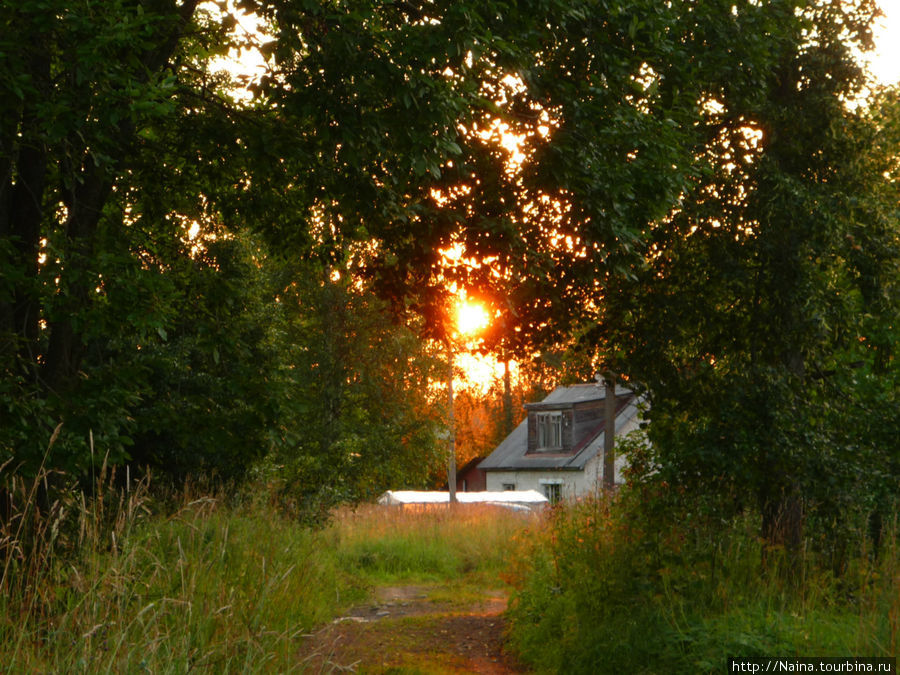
[[549, 430]]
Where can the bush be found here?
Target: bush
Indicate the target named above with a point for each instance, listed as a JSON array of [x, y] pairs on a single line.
[[622, 585]]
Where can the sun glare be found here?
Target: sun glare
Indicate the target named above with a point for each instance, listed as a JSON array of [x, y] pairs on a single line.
[[478, 373], [471, 317], [885, 60], [247, 63]]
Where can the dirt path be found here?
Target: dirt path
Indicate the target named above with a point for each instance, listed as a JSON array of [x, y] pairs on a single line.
[[416, 629]]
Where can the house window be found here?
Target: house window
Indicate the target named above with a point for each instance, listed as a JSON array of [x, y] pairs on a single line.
[[553, 492], [549, 430], [509, 487]]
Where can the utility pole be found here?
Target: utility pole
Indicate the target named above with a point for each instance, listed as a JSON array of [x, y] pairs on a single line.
[[609, 433], [451, 468], [457, 329]]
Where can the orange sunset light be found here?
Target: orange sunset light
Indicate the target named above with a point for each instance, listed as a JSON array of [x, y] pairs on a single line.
[[476, 372], [471, 317]]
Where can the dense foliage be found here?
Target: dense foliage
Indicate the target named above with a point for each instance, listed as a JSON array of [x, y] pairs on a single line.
[[207, 284], [735, 207], [178, 285]]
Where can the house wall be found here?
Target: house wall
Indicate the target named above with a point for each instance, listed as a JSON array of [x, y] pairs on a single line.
[[574, 483]]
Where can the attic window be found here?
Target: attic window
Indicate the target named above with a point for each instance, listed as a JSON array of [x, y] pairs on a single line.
[[549, 430]]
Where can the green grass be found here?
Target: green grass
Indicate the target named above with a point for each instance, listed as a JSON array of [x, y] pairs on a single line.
[[204, 589], [113, 584], [600, 589], [118, 582]]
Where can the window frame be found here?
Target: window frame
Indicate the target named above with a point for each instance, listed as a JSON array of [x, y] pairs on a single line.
[[553, 492], [549, 430]]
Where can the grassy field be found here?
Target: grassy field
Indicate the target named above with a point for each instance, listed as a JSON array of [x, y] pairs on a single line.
[[115, 584], [120, 581]]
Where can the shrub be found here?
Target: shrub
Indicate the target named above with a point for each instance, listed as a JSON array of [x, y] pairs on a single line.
[[621, 585]]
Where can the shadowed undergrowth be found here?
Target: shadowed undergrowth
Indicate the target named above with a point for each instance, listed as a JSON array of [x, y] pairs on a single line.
[[606, 586]]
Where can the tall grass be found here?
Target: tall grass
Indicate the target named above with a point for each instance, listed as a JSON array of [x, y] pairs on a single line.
[[387, 544], [204, 588], [116, 581], [602, 588]]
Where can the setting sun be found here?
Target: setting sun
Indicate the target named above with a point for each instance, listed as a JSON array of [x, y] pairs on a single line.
[[470, 317]]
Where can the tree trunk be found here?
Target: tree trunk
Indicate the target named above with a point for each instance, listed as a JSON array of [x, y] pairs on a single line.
[[451, 451], [65, 344], [91, 185], [609, 434], [782, 528], [21, 210]]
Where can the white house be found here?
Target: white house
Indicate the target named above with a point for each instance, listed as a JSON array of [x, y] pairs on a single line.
[[558, 449]]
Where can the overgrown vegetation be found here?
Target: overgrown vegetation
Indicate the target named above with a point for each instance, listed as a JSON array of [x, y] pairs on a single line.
[[123, 581], [655, 581], [703, 203]]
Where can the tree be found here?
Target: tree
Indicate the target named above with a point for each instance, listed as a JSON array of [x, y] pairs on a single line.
[[731, 228], [356, 413], [700, 211], [738, 301], [82, 89], [210, 392], [118, 137]]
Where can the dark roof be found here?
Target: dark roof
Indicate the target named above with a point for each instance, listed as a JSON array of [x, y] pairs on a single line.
[[565, 397], [511, 454]]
